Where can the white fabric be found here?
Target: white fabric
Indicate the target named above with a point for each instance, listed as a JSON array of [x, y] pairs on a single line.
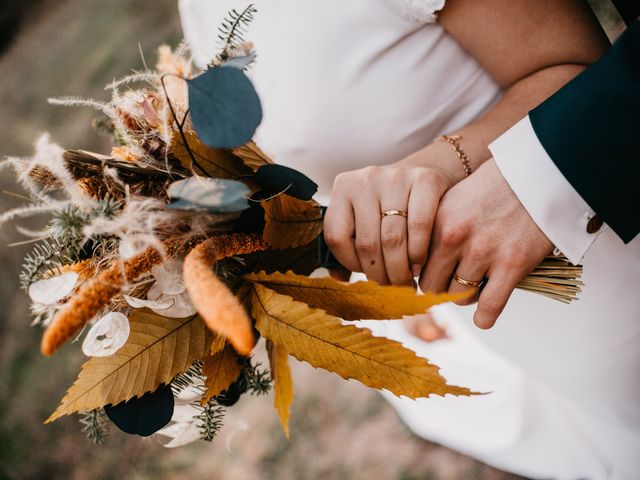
[[350, 83], [425, 11], [555, 206], [339, 83]]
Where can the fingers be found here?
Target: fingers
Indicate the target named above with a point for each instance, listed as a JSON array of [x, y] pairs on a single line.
[[472, 269], [437, 273], [339, 233], [443, 257], [494, 296], [390, 249], [445, 250], [422, 207], [393, 237], [366, 208]]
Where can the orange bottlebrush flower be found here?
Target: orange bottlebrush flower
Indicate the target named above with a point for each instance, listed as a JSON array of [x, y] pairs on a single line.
[[97, 293], [220, 309]]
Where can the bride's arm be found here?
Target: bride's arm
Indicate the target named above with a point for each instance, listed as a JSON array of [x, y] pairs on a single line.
[[531, 48]]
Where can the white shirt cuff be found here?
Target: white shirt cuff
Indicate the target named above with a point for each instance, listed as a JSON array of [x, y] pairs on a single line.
[[558, 210]]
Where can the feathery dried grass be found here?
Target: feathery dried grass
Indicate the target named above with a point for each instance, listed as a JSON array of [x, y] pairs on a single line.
[[97, 293]]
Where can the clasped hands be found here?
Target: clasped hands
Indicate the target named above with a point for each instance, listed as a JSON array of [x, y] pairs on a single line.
[[475, 228]]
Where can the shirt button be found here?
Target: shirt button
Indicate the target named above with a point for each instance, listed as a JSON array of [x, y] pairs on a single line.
[[594, 224]]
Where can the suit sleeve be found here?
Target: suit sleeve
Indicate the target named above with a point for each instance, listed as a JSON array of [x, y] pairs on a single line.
[[590, 129], [553, 204]]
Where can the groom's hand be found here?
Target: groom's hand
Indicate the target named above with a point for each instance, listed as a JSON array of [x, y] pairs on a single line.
[[482, 231]]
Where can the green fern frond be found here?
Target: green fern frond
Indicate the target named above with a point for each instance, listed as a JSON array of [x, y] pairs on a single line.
[[231, 31], [47, 257], [186, 379], [68, 222], [258, 380], [94, 425], [210, 420]]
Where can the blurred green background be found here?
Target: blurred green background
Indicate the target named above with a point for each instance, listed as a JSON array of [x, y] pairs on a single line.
[[340, 430]]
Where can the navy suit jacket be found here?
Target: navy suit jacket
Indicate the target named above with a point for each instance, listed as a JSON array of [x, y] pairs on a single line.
[[591, 130]]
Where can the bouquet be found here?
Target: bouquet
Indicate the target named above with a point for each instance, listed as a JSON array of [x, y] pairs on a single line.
[[173, 254]]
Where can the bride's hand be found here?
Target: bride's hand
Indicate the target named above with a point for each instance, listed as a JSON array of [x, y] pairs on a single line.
[[392, 248]]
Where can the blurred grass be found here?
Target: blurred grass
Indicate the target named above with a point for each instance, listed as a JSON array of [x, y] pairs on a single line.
[[63, 48], [340, 430]]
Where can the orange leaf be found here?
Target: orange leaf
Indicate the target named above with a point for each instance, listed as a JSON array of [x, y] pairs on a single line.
[[220, 369], [252, 156], [323, 341], [352, 301], [157, 350], [291, 222], [217, 163], [283, 385]]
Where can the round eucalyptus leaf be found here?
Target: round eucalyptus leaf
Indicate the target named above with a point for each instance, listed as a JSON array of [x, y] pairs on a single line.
[[225, 108], [144, 415], [213, 195], [278, 178]]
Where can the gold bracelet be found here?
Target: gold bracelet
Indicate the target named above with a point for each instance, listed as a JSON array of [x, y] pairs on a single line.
[[453, 140]]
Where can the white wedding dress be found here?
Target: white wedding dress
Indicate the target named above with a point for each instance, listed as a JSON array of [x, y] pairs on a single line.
[[351, 83]]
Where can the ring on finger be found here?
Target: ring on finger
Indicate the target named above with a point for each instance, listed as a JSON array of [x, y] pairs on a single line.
[[467, 283], [390, 213]]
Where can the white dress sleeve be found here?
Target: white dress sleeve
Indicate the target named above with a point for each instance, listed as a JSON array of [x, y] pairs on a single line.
[[423, 11], [555, 206]]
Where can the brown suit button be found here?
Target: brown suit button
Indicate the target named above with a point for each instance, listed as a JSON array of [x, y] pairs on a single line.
[[594, 224]]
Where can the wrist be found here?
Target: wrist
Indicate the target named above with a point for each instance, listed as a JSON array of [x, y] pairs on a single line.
[[440, 157]]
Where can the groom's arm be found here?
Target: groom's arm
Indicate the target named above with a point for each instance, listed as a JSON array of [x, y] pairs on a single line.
[[578, 154], [575, 155]]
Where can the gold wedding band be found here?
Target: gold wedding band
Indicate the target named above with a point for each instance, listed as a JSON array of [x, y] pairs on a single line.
[[466, 283], [390, 213]]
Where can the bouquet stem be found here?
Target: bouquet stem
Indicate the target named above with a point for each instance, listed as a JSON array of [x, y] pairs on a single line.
[[555, 278]]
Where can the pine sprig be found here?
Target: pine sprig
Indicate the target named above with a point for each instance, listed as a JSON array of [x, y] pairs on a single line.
[[231, 31], [94, 425], [187, 378], [210, 420], [258, 380], [65, 245], [68, 222], [47, 257]]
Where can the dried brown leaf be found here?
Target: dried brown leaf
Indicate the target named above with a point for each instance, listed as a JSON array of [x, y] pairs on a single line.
[[301, 260], [283, 384], [157, 350], [313, 336], [220, 369], [252, 156], [352, 301], [217, 163], [291, 222]]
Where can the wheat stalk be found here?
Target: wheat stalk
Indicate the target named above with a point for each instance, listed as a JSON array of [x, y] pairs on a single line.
[[555, 278]]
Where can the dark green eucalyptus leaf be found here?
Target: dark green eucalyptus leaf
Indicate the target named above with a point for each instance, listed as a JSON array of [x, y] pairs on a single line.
[[278, 178], [225, 108], [213, 195], [144, 415]]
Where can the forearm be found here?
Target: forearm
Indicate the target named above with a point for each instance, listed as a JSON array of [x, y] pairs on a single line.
[[516, 102]]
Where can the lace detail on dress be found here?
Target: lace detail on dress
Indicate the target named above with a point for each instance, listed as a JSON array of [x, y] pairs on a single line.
[[423, 11]]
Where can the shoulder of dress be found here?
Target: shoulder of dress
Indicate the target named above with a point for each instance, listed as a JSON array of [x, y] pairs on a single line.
[[423, 11]]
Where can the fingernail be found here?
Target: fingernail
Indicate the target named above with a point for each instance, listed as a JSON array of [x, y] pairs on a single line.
[[416, 269]]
